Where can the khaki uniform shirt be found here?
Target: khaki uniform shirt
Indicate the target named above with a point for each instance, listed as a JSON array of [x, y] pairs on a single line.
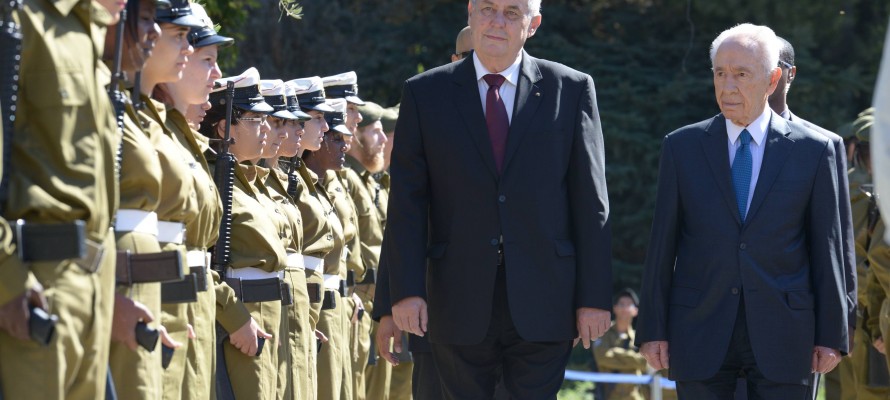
[[286, 229], [140, 175], [362, 190], [256, 236], [859, 209], [318, 238], [276, 182], [179, 203], [345, 212], [65, 141]]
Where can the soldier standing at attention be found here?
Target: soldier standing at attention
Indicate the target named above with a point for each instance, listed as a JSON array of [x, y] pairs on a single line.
[[615, 350], [315, 209], [64, 147]]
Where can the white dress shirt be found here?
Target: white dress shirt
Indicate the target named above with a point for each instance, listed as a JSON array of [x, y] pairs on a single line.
[[508, 88], [758, 130]]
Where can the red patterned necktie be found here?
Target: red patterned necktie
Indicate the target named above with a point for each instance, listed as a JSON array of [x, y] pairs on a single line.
[[496, 118]]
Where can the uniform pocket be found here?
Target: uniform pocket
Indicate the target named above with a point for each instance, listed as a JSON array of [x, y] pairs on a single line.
[[54, 89]]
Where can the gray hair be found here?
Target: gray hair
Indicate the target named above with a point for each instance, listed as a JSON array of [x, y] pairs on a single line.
[[761, 38], [534, 7]]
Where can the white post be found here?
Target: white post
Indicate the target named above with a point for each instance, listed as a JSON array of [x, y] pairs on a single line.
[[655, 386]]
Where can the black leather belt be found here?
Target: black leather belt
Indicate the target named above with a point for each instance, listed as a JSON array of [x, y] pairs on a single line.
[[350, 278], [147, 268], [259, 290], [344, 289], [184, 291], [57, 242], [314, 290], [330, 300], [370, 277], [200, 274]]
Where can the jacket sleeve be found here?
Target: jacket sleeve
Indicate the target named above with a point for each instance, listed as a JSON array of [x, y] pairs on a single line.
[[662, 253], [589, 202]]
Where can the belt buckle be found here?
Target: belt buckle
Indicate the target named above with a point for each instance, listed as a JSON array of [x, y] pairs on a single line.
[[93, 259]]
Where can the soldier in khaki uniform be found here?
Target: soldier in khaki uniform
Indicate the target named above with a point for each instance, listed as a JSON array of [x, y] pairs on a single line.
[[296, 324], [615, 351], [202, 228], [136, 371], [258, 242], [64, 149], [366, 158], [335, 379], [315, 208]]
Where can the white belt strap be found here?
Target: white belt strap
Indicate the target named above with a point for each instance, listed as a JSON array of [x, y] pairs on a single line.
[[197, 258], [332, 282], [294, 261], [313, 263], [136, 221], [251, 273], [171, 232]]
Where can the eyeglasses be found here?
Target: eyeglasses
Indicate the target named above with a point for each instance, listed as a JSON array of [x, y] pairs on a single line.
[[465, 54], [260, 119], [785, 64]]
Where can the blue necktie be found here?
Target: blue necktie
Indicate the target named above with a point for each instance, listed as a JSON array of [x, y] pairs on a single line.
[[741, 173]]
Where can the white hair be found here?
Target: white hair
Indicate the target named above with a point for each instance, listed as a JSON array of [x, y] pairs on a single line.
[[534, 7], [760, 38]]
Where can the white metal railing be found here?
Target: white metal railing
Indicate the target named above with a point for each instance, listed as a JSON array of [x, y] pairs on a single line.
[[656, 382]]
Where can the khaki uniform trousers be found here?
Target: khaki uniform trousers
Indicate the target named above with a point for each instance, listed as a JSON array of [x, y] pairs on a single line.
[[854, 381], [199, 380], [360, 343], [317, 278], [334, 367], [400, 384], [137, 374], [257, 377], [174, 317], [379, 375], [75, 364], [301, 338]]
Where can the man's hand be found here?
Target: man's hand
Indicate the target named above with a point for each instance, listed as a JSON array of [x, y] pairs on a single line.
[[656, 354], [14, 315], [410, 315], [387, 330], [127, 313], [879, 345], [825, 359], [244, 339], [592, 323], [359, 305]]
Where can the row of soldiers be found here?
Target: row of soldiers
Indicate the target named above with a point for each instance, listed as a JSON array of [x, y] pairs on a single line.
[[169, 233]]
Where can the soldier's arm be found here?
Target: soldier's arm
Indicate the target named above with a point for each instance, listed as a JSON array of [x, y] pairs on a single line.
[[230, 312], [874, 297]]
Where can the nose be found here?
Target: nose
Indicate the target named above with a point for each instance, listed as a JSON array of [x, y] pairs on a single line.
[[215, 72], [187, 48], [265, 128], [324, 126], [154, 32]]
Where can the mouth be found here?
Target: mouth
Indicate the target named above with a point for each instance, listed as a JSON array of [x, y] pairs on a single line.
[[495, 38]]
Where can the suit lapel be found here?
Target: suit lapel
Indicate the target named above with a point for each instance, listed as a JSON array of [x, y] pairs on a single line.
[[524, 106], [465, 92], [716, 150], [778, 146]]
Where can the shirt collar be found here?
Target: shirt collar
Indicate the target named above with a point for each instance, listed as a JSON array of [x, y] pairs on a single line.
[[511, 73], [757, 128]]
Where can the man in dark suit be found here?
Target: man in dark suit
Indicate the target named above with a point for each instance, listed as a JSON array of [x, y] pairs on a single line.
[[499, 193], [778, 102], [744, 273]]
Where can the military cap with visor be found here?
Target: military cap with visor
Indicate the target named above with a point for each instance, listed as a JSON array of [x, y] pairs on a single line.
[[343, 86], [371, 112], [206, 35], [293, 104], [176, 12], [274, 93], [337, 119], [247, 92], [310, 93]]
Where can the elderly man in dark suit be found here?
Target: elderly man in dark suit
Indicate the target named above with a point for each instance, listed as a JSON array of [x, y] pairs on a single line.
[[744, 274], [499, 192]]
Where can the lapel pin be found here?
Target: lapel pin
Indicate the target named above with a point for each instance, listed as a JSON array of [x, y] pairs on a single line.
[[538, 94]]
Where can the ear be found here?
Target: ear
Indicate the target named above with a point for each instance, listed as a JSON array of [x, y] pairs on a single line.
[[469, 11], [774, 76], [533, 27], [221, 128], [792, 73]]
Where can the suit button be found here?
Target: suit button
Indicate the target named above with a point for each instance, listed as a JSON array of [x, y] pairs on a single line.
[[735, 290], [743, 246], [494, 242], [502, 199]]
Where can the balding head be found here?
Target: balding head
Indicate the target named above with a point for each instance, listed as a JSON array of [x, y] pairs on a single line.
[[760, 39], [464, 41]]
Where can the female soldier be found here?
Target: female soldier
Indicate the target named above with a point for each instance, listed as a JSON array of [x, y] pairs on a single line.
[[334, 361], [202, 228], [296, 326], [259, 232], [137, 371]]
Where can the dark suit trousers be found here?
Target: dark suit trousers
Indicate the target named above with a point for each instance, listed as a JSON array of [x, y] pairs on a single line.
[[530, 370], [739, 362]]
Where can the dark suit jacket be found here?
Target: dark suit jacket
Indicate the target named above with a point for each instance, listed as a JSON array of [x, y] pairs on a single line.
[[785, 260], [846, 215], [448, 205]]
